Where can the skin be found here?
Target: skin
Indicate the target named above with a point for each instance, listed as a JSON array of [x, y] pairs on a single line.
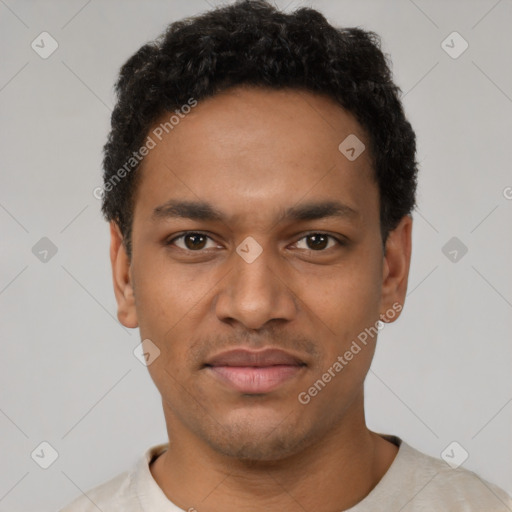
[[252, 153]]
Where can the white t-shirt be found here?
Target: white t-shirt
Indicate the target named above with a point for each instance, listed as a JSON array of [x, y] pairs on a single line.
[[415, 482]]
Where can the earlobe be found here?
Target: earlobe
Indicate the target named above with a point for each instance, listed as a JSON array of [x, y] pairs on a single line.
[[395, 270], [122, 279]]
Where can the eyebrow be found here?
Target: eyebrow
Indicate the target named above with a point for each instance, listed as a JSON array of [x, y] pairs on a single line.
[[200, 210]]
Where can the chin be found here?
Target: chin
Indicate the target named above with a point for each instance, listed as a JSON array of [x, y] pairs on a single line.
[[258, 440], [249, 449]]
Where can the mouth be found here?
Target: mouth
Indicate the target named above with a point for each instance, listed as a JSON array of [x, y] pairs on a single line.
[[252, 372]]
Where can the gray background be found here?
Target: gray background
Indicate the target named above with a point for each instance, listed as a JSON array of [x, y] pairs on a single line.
[[67, 372]]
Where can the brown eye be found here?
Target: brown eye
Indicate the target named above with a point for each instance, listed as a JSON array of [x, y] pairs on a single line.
[[191, 241], [318, 242], [195, 241]]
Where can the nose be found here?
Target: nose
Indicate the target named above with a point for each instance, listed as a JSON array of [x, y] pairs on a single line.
[[256, 292]]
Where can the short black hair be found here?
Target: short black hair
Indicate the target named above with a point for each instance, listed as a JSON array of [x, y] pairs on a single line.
[[251, 43]]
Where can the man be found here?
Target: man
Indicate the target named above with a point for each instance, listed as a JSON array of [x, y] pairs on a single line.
[[259, 180]]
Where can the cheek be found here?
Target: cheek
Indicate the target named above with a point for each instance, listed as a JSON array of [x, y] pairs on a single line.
[[165, 293], [348, 306], [172, 303], [346, 300]]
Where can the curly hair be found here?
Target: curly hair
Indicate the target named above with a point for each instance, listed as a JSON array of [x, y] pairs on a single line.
[[252, 43]]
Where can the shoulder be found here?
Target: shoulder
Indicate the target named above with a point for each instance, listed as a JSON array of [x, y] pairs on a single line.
[[124, 492], [114, 495], [436, 484]]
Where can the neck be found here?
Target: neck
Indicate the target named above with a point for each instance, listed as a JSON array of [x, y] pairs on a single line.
[[334, 473]]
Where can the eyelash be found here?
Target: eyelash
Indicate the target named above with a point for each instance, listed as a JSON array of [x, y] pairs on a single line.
[[340, 242]]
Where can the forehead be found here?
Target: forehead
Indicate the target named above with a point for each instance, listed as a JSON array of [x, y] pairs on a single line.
[[251, 149]]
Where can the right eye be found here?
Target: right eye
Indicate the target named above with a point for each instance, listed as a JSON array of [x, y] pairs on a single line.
[[192, 241]]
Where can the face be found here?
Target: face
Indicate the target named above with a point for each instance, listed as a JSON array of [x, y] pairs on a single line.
[[257, 263]]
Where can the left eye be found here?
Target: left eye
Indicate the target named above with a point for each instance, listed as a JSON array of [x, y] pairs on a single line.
[[318, 241]]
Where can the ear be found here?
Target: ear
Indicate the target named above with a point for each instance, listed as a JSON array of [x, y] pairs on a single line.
[[395, 270], [121, 276]]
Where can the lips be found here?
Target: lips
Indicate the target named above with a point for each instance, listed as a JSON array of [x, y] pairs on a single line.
[[251, 372], [267, 357]]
